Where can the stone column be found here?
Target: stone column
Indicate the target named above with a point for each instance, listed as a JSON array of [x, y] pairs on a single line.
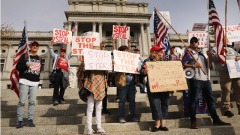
[[125, 42], [148, 38], [68, 45], [118, 40], [9, 60], [100, 30], [94, 27], [143, 43], [76, 27]]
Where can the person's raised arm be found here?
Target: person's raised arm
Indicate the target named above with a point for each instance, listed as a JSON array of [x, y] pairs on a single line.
[[54, 55], [113, 44], [129, 45]]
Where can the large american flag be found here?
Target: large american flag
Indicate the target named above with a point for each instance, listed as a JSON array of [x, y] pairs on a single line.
[[218, 31], [160, 29], [22, 49]]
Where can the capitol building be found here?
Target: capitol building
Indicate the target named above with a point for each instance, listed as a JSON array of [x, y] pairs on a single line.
[[87, 15]]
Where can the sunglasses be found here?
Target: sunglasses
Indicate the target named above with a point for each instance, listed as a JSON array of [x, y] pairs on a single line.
[[35, 45]]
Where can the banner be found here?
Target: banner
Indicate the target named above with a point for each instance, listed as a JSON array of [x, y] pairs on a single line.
[[81, 42], [199, 26], [97, 59], [233, 33], [202, 38], [121, 32], [62, 36], [233, 68], [126, 62], [166, 76]]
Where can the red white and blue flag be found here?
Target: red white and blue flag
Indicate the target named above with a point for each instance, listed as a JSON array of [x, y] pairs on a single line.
[[187, 56], [22, 49], [166, 46], [160, 30], [218, 31]]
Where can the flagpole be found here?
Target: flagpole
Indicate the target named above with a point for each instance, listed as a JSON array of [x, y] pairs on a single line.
[[225, 41], [25, 25], [209, 47], [179, 38]]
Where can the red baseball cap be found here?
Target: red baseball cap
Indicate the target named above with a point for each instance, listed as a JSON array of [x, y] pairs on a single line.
[[63, 49], [155, 48]]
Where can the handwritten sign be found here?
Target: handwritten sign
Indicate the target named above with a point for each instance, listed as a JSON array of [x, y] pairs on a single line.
[[121, 32], [166, 76], [233, 68], [62, 36], [202, 38], [81, 42], [97, 59], [233, 33], [126, 62]]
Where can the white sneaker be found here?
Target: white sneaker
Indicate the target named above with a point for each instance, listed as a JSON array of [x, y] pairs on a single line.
[[90, 132], [101, 131]]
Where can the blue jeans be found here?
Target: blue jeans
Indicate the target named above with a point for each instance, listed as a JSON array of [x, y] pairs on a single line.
[[159, 104], [195, 86], [128, 91], [25, 91]]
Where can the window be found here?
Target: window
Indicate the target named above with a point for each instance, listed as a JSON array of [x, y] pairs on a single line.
[[42, 64], [132, 34], [43, 51], [2, 64], [3, 51], [108, 33]]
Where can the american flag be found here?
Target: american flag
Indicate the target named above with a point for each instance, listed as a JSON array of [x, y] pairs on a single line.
[[22, 49], [160, 30], [218, 31]]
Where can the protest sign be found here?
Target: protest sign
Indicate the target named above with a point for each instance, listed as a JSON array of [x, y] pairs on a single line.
[[166, 76], [233, 33], [81, 42], [199, 26], [202, 38], [97, 59], [62, 36], [233, 68], [126, 62], [121, 32]]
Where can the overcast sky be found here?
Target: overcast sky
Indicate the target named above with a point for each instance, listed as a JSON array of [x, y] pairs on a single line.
[[44, 15]]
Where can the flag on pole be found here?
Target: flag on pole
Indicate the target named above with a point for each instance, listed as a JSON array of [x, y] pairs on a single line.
[[218, 31], [22, 49], [160, 30], [166, 46], [187, 56]]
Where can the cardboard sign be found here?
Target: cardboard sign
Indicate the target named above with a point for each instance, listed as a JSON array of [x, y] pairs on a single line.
[[126, 62], [81, 42], [233, 68], [62, 36], [97, 59], [166, 76], [199, 26], [233, 33], [202, 38], [121, 32]]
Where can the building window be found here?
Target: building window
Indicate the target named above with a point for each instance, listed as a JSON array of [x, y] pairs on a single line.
[[42, 64], [108, 33], [3, 51], [2, 65], [43, 51], [132, 34]]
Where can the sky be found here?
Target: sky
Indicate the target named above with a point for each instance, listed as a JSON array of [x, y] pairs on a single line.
[[44, 15]]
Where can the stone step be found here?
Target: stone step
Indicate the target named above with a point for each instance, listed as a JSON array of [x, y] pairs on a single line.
[[81, 119], [118, 129]]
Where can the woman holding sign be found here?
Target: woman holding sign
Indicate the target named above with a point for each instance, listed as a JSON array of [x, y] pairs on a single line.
[[158, 101], [125, 83], [61, 66]]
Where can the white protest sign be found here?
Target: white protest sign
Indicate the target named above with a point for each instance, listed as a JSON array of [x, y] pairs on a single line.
[[81, 42], [97, 59], [199, 26], [233, 33], [202, 38], [126, 62], [233, 68], [62, 36], [121, 32]]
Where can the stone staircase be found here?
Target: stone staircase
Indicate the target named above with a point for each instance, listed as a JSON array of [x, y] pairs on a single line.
[[70, 119]]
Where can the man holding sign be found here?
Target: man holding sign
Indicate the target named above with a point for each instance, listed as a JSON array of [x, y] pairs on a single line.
[[227, 83]]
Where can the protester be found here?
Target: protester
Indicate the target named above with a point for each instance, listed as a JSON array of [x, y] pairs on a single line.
[[96, 83], [200, 81], [29, 68], [61, 67], [125, 84], [172, 56], [227, 84], [159, 101]]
